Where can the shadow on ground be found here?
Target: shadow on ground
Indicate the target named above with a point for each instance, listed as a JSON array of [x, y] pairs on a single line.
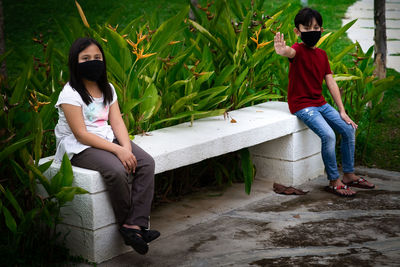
[[277, 230]]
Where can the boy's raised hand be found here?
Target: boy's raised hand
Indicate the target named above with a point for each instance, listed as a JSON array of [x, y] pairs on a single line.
[[279, 43], [281, 48]]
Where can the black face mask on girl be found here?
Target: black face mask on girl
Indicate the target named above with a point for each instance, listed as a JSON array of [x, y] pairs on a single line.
[[91, 70], [310, 38]]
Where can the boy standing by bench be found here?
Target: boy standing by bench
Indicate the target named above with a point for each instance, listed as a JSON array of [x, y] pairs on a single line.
[[309, 66]]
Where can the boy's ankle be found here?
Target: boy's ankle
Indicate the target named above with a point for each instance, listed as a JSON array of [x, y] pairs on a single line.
[[335, 182]]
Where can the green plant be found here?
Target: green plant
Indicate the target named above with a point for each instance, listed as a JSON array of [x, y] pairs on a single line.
[[28, 219], [361, 91]]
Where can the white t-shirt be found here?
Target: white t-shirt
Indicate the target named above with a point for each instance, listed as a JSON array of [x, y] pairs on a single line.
[[95, 116]]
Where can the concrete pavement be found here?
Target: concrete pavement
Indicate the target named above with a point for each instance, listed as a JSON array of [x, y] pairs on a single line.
[[266, 229]]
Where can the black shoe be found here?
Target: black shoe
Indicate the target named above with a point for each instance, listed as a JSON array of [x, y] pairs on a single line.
[[134, 238], [149, 235]]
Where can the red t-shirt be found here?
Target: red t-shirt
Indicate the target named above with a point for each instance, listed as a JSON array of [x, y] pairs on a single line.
[[307, 71]]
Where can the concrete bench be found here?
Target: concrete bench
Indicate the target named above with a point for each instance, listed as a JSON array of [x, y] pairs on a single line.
[[282, 148]]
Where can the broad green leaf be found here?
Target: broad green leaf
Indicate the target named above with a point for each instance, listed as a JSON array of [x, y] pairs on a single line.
[[365, 62], [211, 113], [256, 97], [22, 83], [261, 54], [43, 167], [114, 67], [242, 41], [130, 104], [322, 39], [271, 21], [66, 170], [9, 195], [150, 103], [43, 180], [380, 86], [20, 173], [237, 9], [239, 80], [115, 16], [187, 114], [204, 77], [206, 33], [181, 102], [167, 30], [10, 221], [177, 85], [55, 184], [132, 25], [68, 193], [3, 56], [211, 102], [37, 131], [198, 16], [332, 38], [48, 111], [224, 75], [213, 91], [14, 147], [344, 52], [118, 47]]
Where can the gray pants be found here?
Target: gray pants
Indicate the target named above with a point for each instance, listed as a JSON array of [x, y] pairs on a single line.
[[131, 202]]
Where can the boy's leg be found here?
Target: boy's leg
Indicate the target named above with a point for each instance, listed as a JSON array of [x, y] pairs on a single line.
[[316, 122], [347, 132], [142, 188], [347, 146]]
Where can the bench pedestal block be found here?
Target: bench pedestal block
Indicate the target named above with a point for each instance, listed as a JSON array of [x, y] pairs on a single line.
[[290, 160], [95, 245]]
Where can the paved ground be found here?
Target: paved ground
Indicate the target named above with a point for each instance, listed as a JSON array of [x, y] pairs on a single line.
[[267, 229], [363, 30]]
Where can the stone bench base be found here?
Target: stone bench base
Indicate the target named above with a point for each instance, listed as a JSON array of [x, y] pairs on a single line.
[[289, 160], [283, 149]]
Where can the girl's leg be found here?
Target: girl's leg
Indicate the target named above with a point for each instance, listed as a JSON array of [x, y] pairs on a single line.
[[114, 175], [316, 122], [142, 188]]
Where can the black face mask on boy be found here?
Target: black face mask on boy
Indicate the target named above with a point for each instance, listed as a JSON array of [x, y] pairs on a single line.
[[310, 38], [91, 70]]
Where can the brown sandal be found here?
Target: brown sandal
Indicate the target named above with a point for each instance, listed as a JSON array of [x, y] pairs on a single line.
[[360, 183], [335, 190]]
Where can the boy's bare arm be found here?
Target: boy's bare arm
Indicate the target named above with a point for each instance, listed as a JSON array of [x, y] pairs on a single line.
[[335, 92], [281, 48]]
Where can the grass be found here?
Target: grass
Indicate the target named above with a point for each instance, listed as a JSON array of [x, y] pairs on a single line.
[[27, 19]]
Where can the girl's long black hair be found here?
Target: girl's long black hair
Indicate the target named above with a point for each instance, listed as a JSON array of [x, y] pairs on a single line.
[[75, 79]]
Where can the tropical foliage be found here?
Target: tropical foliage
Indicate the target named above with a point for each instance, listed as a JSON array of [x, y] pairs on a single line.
[[30, 203]]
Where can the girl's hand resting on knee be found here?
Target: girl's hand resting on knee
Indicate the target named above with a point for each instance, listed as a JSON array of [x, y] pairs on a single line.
[[127, 158]]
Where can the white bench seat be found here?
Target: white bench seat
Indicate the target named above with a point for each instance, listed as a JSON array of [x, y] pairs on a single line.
[[282, 147]]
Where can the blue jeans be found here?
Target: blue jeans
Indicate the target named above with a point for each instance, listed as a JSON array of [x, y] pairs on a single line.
[[323, 121]]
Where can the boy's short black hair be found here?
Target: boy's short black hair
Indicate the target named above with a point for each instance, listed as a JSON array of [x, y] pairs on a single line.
[[305, 17]]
